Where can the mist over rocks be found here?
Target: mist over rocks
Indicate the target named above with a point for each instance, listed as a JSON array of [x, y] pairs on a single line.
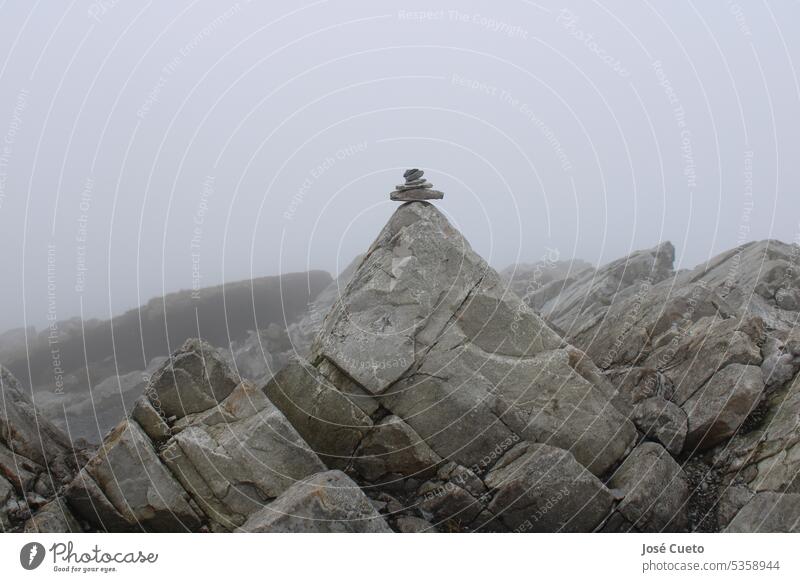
[[87, 374]]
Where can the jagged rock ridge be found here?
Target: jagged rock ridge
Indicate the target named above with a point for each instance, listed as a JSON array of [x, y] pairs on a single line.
[[435, 399]]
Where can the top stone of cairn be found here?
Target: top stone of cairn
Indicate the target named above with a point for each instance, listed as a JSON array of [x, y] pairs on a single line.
[[415, 188]]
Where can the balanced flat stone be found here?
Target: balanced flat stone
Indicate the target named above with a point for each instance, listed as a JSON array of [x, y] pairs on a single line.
[[416, 194], [414, 185]]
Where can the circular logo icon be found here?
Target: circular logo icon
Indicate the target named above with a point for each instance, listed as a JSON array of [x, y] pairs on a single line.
[[31, 555]]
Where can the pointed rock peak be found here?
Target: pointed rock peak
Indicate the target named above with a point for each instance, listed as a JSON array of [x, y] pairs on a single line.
[[431, 333], [418, 278]]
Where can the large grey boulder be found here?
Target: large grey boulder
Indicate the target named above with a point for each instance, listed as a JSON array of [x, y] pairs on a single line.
[[168, 469], [432, 334], [654, 488], [125, 486], [195, 379], [539, 488], [717, 410], [327, 502]]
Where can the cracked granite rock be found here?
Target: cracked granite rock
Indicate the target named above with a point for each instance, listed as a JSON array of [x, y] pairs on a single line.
[[429, 333]]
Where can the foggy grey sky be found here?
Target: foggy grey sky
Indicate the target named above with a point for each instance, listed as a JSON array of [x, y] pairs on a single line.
[[593, 128]]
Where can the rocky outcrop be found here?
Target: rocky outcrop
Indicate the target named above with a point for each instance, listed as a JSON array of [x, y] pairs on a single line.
[[434, 398], [705, 363], [450, 366], [202, 451]]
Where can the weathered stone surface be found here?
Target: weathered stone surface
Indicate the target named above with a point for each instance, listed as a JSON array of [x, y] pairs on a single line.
[[127, 474], [196, 379], [325, 417], [239, 456], [431, 331], [663, 421], [717, 410], [768, 512], [392, 447], [328, 502], [55, 517], [655, 490], [539, 488]]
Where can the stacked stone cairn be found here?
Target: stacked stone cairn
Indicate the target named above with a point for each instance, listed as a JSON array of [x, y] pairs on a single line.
[[415, 188]]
